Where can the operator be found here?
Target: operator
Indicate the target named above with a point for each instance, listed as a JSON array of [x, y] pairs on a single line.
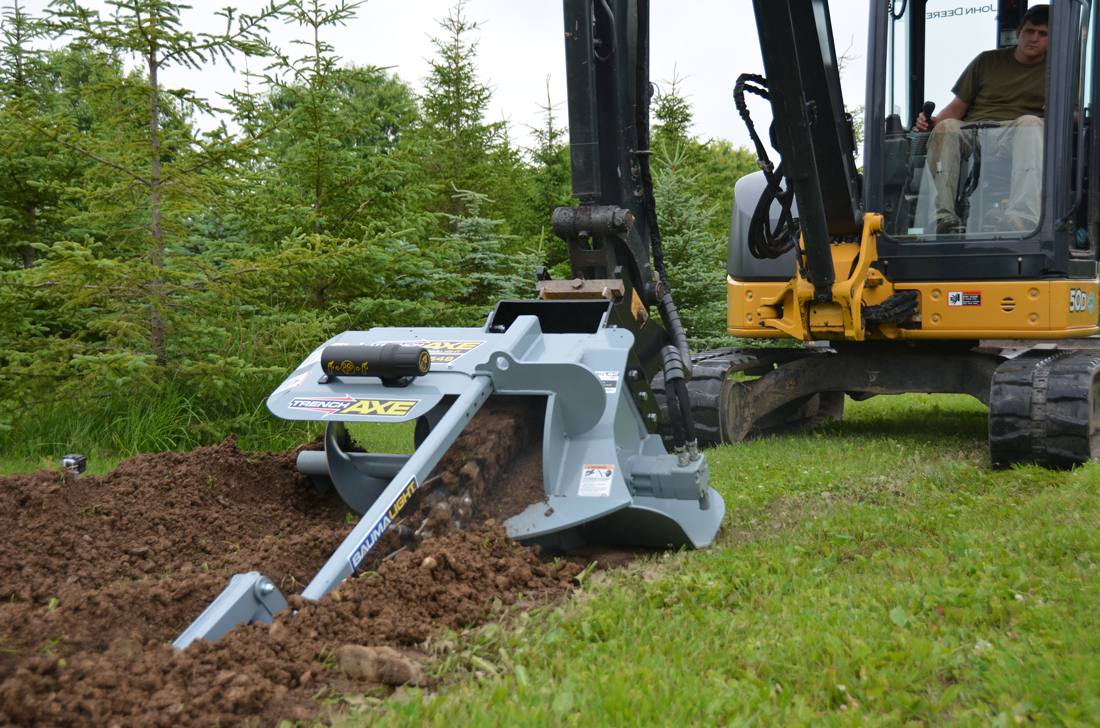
[[1006, 87]]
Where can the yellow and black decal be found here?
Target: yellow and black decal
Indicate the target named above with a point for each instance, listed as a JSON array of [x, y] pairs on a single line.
[[375, 531], [348, 405]]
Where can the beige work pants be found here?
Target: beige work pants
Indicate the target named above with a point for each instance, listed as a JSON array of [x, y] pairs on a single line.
[[1021, 138]]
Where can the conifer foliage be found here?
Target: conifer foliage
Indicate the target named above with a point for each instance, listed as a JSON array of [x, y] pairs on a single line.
[[149, 255]]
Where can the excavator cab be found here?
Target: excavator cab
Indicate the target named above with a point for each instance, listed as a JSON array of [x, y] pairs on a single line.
[[921, 48], [910, 274]]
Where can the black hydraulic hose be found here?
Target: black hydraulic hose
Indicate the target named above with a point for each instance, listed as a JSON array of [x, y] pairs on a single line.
[[685, 408], [675, 415], [611, 19], [676, 397], [667, 307], [763, 241]]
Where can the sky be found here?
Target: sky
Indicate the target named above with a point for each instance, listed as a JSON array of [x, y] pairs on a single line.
[[706, 43]]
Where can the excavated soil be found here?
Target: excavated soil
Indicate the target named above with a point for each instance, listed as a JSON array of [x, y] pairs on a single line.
[[102, 572]]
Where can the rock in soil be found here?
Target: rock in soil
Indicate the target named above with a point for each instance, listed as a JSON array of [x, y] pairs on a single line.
[[102, 572], [380, 665]]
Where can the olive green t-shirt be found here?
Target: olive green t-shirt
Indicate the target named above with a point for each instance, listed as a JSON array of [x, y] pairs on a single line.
[[1000, 88]]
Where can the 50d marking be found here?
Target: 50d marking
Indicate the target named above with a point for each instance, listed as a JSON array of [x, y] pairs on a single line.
[[1080, 301]]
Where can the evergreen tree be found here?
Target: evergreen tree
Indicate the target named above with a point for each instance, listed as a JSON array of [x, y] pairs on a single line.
[[118, 301], [157, 169], [693, 186], [549, 184], [35, 174], [454, 105], [486, 271], [694, 257], [338, 178]]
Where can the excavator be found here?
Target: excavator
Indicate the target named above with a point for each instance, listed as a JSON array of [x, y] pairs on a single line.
[[843, 261], [852, 262]]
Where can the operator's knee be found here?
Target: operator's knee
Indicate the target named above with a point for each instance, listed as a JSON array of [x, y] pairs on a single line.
[[948, 125], [1029, 120]]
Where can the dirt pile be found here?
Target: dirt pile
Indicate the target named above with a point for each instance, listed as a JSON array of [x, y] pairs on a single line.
[[103, 572]]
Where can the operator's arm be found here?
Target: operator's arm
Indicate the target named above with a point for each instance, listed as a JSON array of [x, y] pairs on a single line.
[[955, 110]]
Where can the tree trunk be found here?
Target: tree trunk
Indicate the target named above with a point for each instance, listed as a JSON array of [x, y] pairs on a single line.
[[26, 250], [156, 286]]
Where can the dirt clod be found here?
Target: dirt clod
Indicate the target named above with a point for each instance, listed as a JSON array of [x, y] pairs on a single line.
[[381, 665]]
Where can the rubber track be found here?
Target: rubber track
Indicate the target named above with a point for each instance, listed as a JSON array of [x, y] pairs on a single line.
[[1042, 409], [710, 370]]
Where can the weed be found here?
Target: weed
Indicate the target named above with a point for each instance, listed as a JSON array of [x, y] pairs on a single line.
[[50, 647], [90, 511], [327, 658], [53, 604]]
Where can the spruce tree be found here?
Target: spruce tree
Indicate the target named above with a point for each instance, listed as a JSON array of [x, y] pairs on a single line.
[[480, 260], [35, 174], [118, 301], [160, 170], [548, 182], [338, 179], [454, 105]]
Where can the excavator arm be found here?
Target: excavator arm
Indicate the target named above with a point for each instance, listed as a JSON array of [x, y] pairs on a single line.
[[612, 234], [811, 129]]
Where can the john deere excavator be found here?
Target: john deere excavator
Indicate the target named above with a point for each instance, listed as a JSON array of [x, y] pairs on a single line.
[[855, 265], [889, 304]]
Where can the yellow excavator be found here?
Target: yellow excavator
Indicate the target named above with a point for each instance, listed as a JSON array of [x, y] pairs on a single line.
[[848, 262], [855, 263]]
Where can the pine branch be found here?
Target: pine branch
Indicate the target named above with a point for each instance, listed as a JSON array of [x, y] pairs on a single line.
[[51, 401], [85, 152]]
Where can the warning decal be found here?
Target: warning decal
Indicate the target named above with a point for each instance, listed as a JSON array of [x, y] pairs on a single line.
[[596, 481], [964, 298], [610, 381], [291, 383], [442, 352]]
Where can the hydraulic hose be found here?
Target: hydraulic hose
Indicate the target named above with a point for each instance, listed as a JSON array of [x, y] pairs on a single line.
[[667, 307], [676, 397], [763, 241]]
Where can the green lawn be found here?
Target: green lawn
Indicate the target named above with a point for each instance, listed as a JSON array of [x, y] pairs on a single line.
[[877, 572]]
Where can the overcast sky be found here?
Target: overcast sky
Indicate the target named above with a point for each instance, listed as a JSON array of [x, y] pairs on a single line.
[[708, 43]]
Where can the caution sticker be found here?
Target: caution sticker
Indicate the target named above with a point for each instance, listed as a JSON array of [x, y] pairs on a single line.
[[596, 481], [348, 405], [610, 381], [442, 352], [363, 548], [964, 298]]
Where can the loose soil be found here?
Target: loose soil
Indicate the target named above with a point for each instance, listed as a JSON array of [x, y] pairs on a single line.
[[102, 572]]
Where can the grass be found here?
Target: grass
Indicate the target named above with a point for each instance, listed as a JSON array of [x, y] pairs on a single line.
[[874, 573], [111, 430]]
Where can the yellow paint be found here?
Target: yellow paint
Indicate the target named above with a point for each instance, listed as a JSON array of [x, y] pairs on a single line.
[[380, 407], [1054, 309]]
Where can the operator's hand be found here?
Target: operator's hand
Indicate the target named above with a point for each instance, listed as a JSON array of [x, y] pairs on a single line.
[[923, 123]]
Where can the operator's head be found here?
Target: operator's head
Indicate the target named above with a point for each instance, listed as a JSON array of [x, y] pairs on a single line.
[[1032, 34]]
